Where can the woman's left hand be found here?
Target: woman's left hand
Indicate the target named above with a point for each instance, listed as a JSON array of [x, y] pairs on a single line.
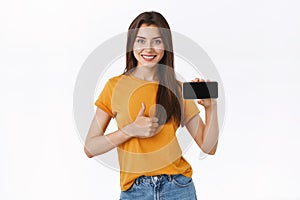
[[207, 103]]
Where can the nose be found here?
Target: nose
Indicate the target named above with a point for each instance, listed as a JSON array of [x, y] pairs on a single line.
[[148, 45]]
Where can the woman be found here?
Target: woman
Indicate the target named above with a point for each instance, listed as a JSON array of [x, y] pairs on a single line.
[[147, 104]]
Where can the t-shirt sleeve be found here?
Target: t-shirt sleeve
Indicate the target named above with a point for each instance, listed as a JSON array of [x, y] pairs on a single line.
[[104, 99], [190, 109]]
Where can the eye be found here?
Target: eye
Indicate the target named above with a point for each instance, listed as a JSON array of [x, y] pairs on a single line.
[[158, 41], [140, 41]]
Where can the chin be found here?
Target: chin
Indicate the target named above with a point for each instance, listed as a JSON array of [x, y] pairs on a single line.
[[149, 64]]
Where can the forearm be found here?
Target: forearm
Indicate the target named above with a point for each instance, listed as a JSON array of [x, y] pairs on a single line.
[[211, 130], [100, 144]]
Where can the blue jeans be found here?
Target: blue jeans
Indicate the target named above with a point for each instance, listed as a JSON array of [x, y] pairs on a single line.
[[161, 187]]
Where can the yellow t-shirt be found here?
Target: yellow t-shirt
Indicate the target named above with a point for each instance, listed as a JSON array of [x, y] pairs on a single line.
[[161, 154]]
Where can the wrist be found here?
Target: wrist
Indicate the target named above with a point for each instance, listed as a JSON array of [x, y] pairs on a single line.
[[126, 132], [211, 107]]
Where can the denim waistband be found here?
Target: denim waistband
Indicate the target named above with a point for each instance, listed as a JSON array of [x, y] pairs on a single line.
[[154, 179]]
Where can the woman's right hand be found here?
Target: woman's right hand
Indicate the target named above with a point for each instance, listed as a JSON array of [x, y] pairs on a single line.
[[142, 127]]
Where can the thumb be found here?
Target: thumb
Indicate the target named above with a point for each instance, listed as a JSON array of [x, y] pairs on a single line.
[[142, 110]]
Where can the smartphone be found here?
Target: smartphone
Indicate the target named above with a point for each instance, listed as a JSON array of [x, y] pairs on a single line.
[[200, 90]]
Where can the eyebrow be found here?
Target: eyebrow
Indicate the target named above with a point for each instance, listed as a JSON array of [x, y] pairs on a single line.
[[152, 38]]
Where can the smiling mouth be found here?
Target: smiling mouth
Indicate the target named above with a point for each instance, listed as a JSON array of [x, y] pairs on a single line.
[[148, 57]]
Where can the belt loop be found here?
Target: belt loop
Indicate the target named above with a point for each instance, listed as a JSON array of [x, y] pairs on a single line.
[[136, 181], [169, 177]]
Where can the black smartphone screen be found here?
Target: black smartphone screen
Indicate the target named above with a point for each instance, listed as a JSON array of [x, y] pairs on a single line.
[[200, 90]]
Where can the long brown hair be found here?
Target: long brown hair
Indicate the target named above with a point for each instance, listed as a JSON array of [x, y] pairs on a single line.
[[169, 89]]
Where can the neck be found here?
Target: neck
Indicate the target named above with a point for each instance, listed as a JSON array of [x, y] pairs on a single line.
[[145, 73]]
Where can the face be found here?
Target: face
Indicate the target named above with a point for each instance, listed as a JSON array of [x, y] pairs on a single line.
[[148, 47]]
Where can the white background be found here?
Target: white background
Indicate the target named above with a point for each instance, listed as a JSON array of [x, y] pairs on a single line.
[[255, 46]]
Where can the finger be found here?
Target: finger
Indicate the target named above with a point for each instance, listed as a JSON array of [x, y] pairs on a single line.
[[154, 130], [154, 119], [155, 125], [142, 110]]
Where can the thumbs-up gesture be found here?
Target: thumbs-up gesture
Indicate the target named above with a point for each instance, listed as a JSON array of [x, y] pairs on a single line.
[[142, 127]]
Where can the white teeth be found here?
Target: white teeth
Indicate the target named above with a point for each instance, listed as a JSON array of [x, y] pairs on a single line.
[[148, 57]]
